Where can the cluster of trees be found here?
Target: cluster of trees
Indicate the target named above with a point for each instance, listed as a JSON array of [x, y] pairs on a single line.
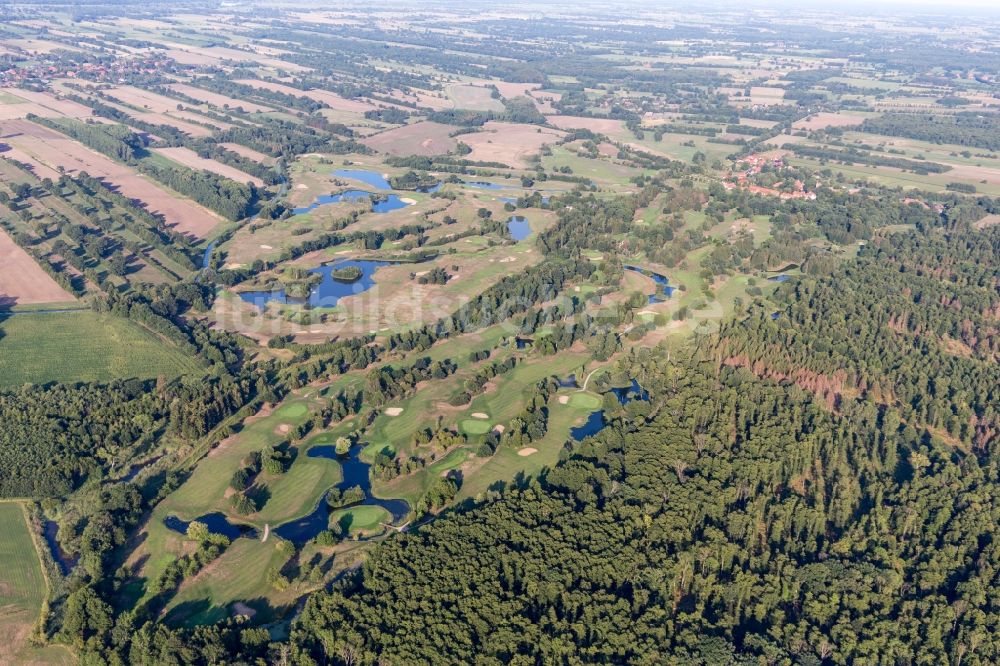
[[867, 158], [210, 546], [477, 383], [116, 141], [230, 199], [981, 130]]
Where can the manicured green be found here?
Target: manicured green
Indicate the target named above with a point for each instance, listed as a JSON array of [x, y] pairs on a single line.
[[361, 518], [584, 401], [476, 426]]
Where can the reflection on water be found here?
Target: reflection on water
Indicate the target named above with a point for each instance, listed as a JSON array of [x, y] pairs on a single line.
[[328, 292], [355, 472]]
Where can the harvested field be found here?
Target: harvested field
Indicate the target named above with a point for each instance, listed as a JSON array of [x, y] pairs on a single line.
[[988, 221], [189, 158], [424, 138], [437, 101], [217, 100], [143, 99], [827, 119], [201, 55], [766, 96], [334, 100], [51, 149], [42, 104], [475, 98], [600, 125], [22, 281], [509, 90], [509, 143], [249, 153]]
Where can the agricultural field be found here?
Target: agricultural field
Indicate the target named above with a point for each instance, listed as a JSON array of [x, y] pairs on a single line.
[[82, 346], [23, 590]]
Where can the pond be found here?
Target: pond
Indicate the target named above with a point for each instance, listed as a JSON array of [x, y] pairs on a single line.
[[513, 200], [519, 227], [355, 473], [664, 291], [372, 178], [217, 523], [484, 185], [328, 292], [65, 562], [779, 278], [569, 381], [595, 422], [385, 204]]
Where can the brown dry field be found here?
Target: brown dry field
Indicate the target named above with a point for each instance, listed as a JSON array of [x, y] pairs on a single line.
[[826, 119], [509, 90], [41, 104], [52, 149], [509, 143], [189, 158], [215, 99], [36, 46], [143, 99], [334, 100], [249, 153], [211, 55], [988, 221], [426, 98], [766, 96], [423, 138], [599, 125], [22, 281]]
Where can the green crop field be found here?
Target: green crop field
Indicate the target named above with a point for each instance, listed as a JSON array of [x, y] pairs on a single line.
[[82, 346], [22, 590]]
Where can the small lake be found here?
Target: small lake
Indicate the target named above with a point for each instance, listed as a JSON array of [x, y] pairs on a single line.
[[385, 204], [513, 200], [519, 228], [595, 422], [663, 292], [569, 381], [372, 178], [65, 562], [217, 523], [328, 292], [484, 185], [779, 278], [355, 473]]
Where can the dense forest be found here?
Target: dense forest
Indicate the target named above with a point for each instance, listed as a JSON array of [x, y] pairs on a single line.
[[812, 487]]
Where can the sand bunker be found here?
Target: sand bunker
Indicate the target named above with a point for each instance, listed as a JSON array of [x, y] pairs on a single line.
[[507, 260], [284, 428], [498, 429], [527, 451], [563, 399], [408, 201], [393, 411], [480, 415]]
